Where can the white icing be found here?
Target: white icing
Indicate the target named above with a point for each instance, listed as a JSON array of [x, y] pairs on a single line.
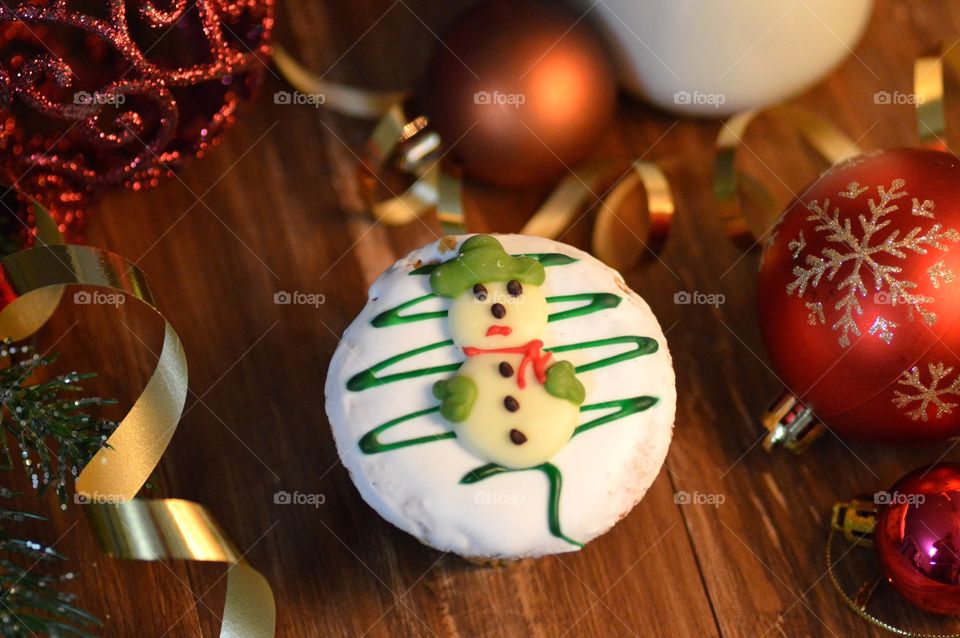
[[605, 470]]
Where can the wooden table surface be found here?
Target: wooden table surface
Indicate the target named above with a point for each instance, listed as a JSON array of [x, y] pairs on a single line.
[[276, 207]]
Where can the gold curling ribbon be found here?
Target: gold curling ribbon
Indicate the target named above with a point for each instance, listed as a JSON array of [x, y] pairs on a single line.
[[23, 317], [930, 89], [929, 94], [141, 437], [417, 151], [576, 190], [571, 194], [831, 143], [434, 188], [859, 600], [660, 209], [136, 529], [174, 529], [346, 100]]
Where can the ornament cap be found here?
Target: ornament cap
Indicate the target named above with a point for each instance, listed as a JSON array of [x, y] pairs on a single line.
[[855, 519], [790, 424]]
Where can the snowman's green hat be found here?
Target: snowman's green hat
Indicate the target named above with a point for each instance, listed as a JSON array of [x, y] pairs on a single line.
[[482, 259]]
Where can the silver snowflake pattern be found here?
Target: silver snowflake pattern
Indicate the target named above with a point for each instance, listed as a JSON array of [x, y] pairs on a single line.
[[940, 273], [797, 245], [861, 254], [883, 328], [927, 395], [922, 209], [854, 190], [816, 313]]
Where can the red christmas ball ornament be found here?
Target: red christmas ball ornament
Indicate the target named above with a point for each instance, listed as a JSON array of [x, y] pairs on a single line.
[[94, 95], [917, 538], [519, 90], [859, 301]]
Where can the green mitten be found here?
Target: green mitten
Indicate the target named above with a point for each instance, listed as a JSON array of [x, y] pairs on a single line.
[[562, 382], [457, 396]]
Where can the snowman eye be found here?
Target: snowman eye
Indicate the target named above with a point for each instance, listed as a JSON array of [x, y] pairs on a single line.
[[514, 288], [480, 292]]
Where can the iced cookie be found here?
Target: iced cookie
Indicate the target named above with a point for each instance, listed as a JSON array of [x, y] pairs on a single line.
[[502, 397]]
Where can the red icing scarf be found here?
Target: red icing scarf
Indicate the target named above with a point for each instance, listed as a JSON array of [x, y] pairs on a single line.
[[531, 355]]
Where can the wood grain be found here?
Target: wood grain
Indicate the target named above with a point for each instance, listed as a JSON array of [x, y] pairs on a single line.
[[276, 207]]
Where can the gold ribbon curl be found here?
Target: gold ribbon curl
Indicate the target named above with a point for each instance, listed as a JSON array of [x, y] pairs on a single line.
[[929, 97], [21, 318], [127, 527], [928, 94], [730, 184], [408, 142], [930, 90], [174, 529], [346, 100]]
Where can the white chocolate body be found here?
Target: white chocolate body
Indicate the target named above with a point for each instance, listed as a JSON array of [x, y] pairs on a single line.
[[606, 471], [545, 421]]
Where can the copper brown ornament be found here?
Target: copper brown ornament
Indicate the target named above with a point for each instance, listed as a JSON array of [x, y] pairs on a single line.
[[519, 91]]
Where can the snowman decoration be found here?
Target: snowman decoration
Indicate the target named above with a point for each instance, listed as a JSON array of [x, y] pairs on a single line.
[[510, 402]]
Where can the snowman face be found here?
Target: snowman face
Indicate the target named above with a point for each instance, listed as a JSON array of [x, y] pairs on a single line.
[[498, 315]]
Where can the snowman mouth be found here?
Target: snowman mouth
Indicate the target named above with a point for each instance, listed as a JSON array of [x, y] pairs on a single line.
[[499, 330]]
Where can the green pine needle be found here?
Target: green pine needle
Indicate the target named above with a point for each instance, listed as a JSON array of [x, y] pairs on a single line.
[[45, 430]]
